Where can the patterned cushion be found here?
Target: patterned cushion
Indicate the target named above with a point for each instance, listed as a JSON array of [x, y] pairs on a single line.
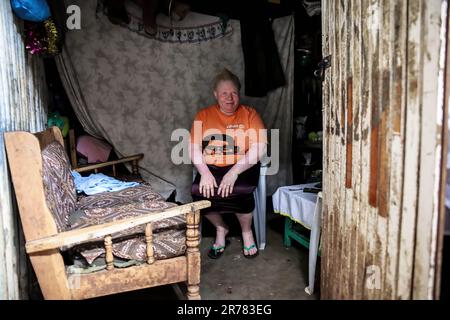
[[168, 234], [143, 192], [59, 188], [129, 196]]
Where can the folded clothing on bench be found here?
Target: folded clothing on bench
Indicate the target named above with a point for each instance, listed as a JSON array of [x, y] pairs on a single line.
[[98, 183]]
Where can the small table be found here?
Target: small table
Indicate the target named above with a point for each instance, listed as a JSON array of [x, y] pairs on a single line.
[[305, 209]]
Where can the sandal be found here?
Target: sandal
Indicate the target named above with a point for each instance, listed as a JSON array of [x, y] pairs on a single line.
[[250, 256], [216, 252]]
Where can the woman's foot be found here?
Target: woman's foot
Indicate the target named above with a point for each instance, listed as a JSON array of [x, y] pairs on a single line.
[[249, 246], [221, 243], [221, 234]]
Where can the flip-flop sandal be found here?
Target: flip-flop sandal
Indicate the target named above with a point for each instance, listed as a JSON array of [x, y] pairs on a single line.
[[250, 256], [216, 252]]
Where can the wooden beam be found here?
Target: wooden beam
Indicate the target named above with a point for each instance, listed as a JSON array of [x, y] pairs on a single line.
[[96, 166], [105, 282]]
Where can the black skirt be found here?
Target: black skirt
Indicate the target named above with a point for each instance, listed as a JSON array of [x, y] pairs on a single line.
[[240, 201]]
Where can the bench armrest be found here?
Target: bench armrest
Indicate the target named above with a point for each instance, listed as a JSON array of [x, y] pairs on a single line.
[[87, 234]]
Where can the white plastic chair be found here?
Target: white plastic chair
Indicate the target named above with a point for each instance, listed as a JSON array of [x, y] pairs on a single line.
[[259, 215]]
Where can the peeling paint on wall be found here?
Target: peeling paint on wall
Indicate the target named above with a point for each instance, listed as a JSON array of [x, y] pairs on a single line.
[[381, 201]]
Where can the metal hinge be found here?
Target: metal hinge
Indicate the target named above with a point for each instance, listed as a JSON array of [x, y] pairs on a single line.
[[324, 64]]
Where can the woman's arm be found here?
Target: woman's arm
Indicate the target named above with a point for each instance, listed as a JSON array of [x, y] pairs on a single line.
[[252, 156], [207, 180]]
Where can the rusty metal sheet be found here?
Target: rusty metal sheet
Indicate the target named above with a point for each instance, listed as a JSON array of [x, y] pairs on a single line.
[[22, 107]]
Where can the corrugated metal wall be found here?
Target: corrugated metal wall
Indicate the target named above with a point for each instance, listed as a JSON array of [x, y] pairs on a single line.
[[382, 123], [22, 107]]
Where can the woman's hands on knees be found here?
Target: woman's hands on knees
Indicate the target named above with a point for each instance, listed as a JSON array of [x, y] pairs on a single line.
[[207, 184], [227, 184]]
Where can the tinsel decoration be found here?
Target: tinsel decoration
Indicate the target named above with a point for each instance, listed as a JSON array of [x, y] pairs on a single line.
[[52, 37], [42, 38]]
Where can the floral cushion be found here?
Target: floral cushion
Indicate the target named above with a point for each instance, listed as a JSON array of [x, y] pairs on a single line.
[[59, 187]]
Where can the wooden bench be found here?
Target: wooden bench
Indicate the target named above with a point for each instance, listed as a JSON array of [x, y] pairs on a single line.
[[43, 240]]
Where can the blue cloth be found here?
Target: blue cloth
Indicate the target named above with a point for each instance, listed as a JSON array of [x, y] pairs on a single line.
[[98, 182], [31, 10]]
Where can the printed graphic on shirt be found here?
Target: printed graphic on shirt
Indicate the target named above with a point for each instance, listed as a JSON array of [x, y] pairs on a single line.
[[222, 149], [220, 144], [226, 139]]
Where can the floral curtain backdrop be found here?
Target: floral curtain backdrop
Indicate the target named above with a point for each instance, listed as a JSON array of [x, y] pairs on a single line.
[[134, 91]]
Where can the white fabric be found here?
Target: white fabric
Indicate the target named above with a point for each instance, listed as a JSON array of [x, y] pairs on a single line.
[[291, 201], [98, 182], [314, 244]]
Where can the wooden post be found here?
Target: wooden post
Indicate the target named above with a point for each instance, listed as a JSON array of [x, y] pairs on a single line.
[[149, 241], [109, 255], [193, 254]]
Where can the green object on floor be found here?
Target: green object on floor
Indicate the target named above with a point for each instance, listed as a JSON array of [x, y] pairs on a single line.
[[291, 234]]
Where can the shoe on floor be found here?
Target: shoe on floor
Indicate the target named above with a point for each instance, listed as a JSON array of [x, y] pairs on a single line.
[[247, 249], [216, 252]]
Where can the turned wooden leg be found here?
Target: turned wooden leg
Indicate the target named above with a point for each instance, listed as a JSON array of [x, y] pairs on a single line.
[[149, 241], [193, 255], [109, 255]]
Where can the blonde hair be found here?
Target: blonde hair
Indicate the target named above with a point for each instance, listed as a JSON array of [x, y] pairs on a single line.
[[227, 75]]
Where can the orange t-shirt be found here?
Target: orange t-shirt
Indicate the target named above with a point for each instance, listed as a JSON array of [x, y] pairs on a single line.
[[226, 138]]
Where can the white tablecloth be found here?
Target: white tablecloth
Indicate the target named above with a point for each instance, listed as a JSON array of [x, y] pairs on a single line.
[[306, 209], [292, 202]]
